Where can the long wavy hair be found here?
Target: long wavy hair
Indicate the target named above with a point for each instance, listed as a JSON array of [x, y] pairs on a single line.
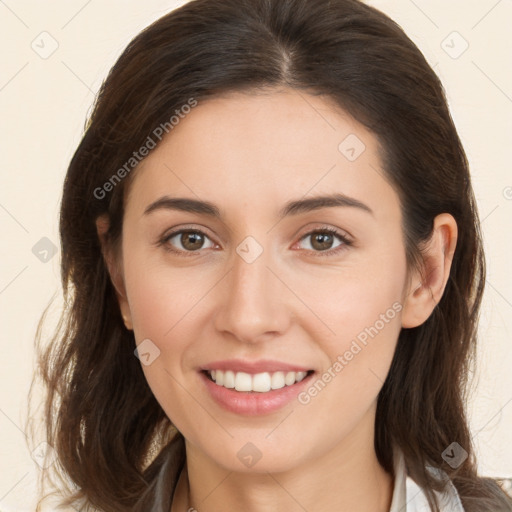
[[116, 448]]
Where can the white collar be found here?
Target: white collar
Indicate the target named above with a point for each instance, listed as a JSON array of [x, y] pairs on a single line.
[[408, 496]]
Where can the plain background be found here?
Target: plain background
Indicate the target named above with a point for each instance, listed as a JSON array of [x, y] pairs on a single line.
[[44, 100]]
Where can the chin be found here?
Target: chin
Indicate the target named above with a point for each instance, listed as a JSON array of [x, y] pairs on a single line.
[[255, 457]]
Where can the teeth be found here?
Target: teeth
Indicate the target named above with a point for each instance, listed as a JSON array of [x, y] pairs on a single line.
[[289, 378], [277, 380], [259, 382], [229, 379]]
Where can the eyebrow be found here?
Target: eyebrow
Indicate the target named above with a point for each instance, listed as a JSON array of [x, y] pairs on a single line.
[[291, 208]]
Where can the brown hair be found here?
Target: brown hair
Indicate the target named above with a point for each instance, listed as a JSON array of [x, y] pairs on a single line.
[[353, 54]]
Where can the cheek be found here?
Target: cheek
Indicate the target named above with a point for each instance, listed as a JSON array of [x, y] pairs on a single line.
[[164, 307], [362, 308], [160, 296], [167, 305], [361, 301]]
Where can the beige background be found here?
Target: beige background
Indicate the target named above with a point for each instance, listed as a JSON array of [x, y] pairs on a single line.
[[43, 105]]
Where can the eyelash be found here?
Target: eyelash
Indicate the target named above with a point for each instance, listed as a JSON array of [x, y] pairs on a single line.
[[164, 241]]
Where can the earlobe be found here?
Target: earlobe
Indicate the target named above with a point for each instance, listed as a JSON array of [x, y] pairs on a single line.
[[426, 287], [102, 225]]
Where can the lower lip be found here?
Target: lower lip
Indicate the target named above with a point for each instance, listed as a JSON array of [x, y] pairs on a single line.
[[253, 403]]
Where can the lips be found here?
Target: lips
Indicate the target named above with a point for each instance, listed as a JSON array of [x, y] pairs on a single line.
[[253, 388]]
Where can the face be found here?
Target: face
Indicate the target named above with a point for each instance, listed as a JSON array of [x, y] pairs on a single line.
[[293, 300]]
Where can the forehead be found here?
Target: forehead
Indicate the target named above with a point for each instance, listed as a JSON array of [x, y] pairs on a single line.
[[263, 148]]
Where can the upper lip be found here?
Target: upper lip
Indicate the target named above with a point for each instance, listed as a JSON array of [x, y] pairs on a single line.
[[260, 366]]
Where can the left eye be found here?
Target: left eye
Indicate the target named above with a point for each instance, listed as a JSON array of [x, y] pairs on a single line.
[[323, 240]]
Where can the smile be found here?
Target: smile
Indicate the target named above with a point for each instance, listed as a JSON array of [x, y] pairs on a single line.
[[259, 382]]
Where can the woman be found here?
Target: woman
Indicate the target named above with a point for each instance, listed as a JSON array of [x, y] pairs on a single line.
[[273, 264]]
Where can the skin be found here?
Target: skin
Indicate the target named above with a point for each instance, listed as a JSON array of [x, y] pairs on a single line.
[[249, 154]]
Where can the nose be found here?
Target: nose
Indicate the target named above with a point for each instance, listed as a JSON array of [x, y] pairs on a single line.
[[254, 304]]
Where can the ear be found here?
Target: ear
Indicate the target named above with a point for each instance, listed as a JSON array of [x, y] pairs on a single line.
[[426, 286], [114, 267]]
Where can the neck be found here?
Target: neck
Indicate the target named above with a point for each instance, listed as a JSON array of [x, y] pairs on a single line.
[[348, 478]]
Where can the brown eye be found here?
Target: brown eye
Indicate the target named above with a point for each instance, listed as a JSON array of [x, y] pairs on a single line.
[[322, 241], [187, 241], [325, 240], [191, 241]]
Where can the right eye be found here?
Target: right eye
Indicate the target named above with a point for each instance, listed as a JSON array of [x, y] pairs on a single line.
[[186, 240]]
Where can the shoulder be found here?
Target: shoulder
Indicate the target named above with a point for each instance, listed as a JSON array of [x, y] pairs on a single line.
[[408, 496], [416, 499]]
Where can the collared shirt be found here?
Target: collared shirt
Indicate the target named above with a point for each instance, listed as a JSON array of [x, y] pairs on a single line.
[[408, 496]]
